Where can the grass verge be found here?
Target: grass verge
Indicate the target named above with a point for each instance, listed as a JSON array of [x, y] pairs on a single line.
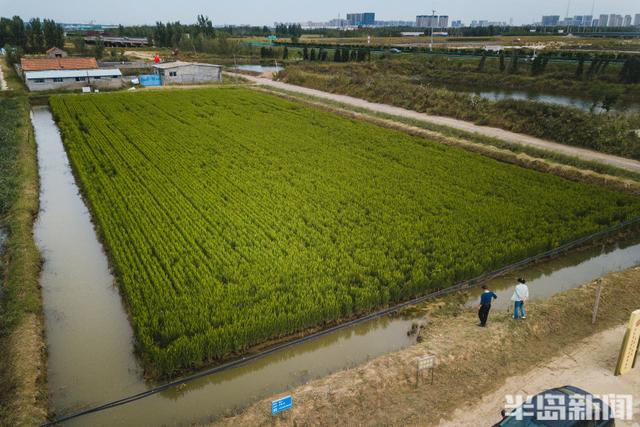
[[23, 394]]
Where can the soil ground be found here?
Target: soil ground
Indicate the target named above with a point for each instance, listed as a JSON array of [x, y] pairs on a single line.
[[475, 366], [588, 365]]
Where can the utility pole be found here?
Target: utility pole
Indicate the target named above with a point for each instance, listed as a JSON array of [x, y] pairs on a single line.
[[567, 17], [433, 18]]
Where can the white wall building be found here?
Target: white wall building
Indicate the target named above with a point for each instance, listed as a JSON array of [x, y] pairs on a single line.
[[73, 79], [188, 73]]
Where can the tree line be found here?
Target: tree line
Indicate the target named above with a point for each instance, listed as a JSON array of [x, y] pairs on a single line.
[[34, 36], [339, 55], [630, 72], [176, 34]]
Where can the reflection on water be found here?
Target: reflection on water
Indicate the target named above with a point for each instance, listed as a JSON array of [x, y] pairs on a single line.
[[259, 68], [90, 341], [567, 101]]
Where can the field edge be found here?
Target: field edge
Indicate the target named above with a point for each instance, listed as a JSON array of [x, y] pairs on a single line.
[[24, 400]]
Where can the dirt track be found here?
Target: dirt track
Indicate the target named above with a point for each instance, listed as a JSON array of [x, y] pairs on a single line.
[[589, 366], [516, 138]]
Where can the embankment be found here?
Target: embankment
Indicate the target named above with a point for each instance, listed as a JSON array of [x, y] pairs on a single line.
[[23, 397], [472, 361]]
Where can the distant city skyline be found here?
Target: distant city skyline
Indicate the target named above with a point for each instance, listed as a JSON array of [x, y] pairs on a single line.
[[255, 12]]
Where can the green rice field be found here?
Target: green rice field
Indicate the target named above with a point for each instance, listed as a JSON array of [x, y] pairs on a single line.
[[232, 217]]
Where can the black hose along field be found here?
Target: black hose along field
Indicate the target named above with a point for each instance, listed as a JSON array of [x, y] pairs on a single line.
[[234, 217]]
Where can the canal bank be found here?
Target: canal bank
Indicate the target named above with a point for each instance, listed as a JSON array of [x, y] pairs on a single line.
[[471, 362], [91, 342], [23, 395]]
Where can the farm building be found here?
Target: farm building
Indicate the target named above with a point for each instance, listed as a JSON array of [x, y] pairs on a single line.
[[56, 52], [118, 41], [187, 72], [68, 63], [73, 79]]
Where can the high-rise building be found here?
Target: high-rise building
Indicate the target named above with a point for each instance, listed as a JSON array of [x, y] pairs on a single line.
[[603, 21], [443, 21], [587, 20], [365, 19], [550, 20], [615, 20], [427, 21], [627, 21], [636, 21]]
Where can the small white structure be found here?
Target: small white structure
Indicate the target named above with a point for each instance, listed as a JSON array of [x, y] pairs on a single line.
[[73, 79], [188, 73]]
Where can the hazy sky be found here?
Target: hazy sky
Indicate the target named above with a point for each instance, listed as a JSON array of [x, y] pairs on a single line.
[[265, 12]]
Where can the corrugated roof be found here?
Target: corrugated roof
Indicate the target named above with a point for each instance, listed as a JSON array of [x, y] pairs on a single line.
[[61, 74], [165, 65], [69, 63]]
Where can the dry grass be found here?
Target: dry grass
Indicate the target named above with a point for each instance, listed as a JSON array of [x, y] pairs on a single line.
[[472, 361]]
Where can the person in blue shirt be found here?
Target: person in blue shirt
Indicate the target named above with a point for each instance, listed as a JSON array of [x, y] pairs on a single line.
[[485, 304]]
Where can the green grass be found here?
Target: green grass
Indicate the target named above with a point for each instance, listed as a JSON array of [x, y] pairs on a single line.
[[233, 217], [19, 267]]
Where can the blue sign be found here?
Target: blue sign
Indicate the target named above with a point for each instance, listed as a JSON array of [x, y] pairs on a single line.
[[282, 404], [150, 80]]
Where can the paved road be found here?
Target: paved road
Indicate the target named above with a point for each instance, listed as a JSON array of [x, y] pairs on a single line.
[[504, 135]]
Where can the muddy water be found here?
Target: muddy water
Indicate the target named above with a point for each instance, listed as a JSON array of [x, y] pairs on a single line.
[[88, 335], [558, 275], [90, 341]]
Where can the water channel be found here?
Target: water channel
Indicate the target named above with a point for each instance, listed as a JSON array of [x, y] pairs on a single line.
[[562, 100], [90, 341], [260, 68]]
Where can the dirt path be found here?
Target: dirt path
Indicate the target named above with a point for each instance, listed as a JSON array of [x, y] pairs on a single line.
[[140, 54], [516, 138], [588, 366]]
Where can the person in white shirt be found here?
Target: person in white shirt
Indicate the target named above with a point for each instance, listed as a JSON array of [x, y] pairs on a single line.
[[520, 295]]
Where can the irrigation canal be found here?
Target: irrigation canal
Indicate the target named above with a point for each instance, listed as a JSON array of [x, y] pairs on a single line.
[[90, 341]]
